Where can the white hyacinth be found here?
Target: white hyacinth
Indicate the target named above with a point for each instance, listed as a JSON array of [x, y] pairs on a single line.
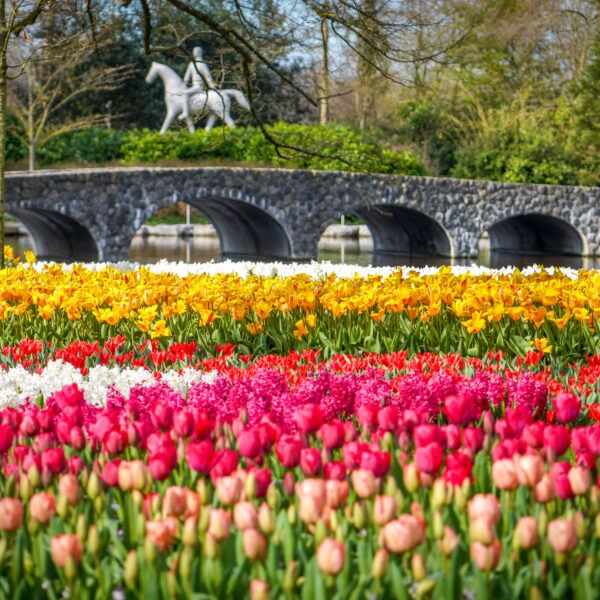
[[17, 384]]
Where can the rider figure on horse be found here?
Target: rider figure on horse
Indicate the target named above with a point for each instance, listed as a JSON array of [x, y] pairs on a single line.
[[200, 77]]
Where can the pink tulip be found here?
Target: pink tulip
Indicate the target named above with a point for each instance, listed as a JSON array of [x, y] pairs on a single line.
[[331, 556], [11, 514], [332, 435], [249, 443], [557, 438], [69, 486], [504, 474], [199, 456], [244, 515], [580, 479], [384, 509], [254, 544], [486, 505], [42, 507], [526, 533], [486, 557], [64, 546], [288, 451], [308, 418], [220, 523], [429, 457], [336, 493], [562, 535], [363, 482], [403, 534]]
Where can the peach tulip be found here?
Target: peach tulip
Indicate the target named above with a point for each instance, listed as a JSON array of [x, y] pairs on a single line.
[[42, 507], [11, 514], [562, 535], [486, 557], [244, 515], [220, 524], [504, 474], [526, 533], [331, 556], [530, 469], [384, 509], [64, 546]]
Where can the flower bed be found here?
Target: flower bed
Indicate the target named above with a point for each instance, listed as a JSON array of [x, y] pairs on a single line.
[[441, 312], [339, 484], [267, 432]]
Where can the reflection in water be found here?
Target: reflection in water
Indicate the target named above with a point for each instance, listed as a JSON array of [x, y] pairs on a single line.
[[346, 251]]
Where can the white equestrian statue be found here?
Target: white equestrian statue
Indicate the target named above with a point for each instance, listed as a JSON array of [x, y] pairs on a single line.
[[214, 103]]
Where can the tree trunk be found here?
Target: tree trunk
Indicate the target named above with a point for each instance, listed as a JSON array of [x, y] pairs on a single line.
[[3, 73], [324, 100], [30, 124]]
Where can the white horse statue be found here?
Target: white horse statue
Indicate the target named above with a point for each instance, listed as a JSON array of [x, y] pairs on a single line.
[[214, 103]]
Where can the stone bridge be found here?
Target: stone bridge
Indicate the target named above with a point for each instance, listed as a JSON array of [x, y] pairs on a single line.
[[93, 214]]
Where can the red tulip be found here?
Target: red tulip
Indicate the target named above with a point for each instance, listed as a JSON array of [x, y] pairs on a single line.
[[472, 438], [452, 435], [162, 415], [308, 418], [224, 463], [7, 437], [199, 455], [54, 460], [557, 438], [161, 463], [110, 472], [310, 461], [429, 458], [427, 434], [567, 407], [334, 470], [376, 462], [332, 435], [183, 423], [458, 409], [248, 443], [288, 451]]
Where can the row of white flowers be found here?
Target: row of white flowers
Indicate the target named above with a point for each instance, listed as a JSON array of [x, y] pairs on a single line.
[[17, 384], [314, 269]]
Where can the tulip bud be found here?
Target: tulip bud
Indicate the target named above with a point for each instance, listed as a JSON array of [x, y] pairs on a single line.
[[259, 590], [81, 527], [70, 568], [93, 486], [9, 486], [25, 489], [417, 565], [251, 486], [62, 506], [597, 526], [542, 522], [204, 519], [202, 490], [34, 476], [130, 570], [438, 494], [171, 584], [27, 562], [272, 499], [359, 515], [438, 525], [189, 536], [580, 526], [289, 579], [149, 551], [291, 514], [211, 546], [425, 587], [449, 542], [98, 504], [266, 519], [94, 544], [379, 564], [185, 564], [535, 593], [391, 487], [410, 476], [320, 532]]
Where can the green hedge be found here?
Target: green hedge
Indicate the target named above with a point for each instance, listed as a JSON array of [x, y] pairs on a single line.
[[248, 144], [242, 144]]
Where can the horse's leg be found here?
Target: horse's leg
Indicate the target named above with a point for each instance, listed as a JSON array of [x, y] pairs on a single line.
[[190, 124], [226, 116], [168, 121], [210, 122]]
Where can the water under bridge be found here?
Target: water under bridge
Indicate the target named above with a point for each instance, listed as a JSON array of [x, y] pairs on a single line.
[[93, 214]]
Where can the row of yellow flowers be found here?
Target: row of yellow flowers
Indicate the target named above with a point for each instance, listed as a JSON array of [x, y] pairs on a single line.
[[300, 305]]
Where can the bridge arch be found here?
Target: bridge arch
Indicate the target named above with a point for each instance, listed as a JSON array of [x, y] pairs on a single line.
[[244, 230], [403, 231], [536, 234], [57, 236]]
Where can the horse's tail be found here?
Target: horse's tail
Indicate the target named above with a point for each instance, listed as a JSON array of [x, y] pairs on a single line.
[[238, 97]]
